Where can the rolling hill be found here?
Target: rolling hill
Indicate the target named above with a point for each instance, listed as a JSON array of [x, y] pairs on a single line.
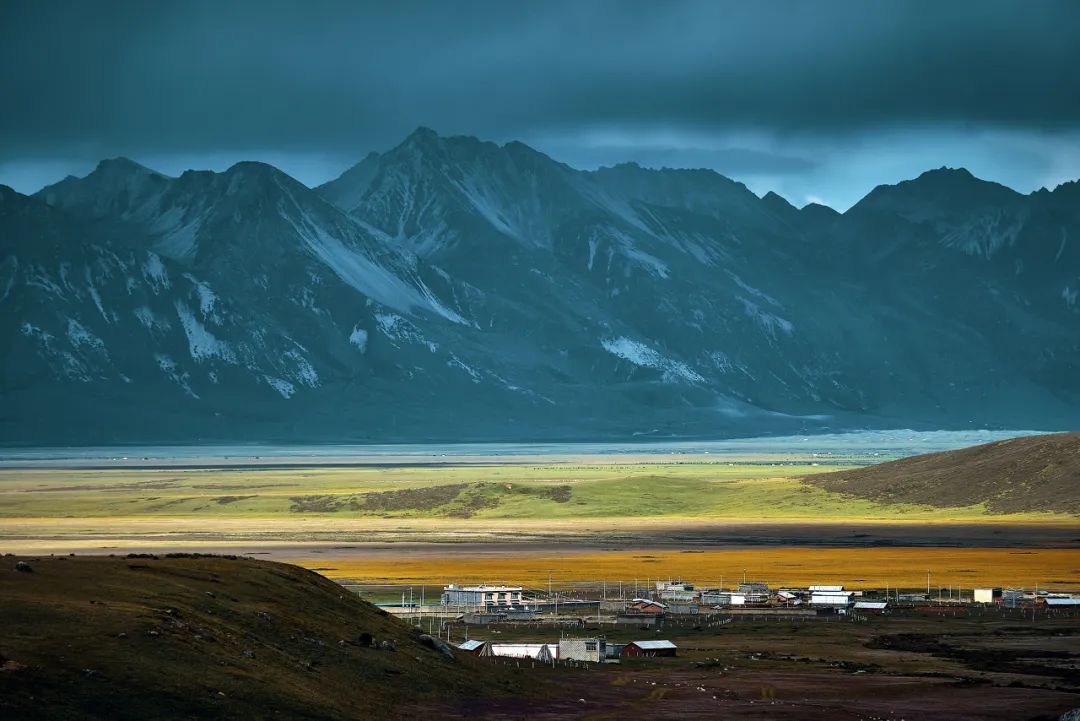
[[1031, 474], [181, 637]]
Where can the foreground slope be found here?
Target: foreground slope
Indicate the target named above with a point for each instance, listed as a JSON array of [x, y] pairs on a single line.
[[207, 637], [1031, 474]]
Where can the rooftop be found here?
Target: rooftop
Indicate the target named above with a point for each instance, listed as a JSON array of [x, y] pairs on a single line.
[[653, 645]]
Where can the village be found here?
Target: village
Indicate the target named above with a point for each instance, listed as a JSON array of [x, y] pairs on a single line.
[[618, 622]]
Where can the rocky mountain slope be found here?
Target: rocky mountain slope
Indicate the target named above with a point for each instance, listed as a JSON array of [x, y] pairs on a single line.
[[451, 288], [1031, 474]]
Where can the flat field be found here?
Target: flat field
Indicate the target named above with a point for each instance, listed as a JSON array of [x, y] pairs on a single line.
[[721, 490], [427, 518], [799, 566]]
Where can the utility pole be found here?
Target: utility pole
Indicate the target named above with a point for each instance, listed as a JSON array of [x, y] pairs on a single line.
[[928, 583]]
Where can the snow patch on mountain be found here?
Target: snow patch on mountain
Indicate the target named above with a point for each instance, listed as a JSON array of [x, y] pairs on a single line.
[[154, 271], [284, 387], [759, 294], [32, 331], [364, 274], [642, 355], [304, 372], [150, 320], [178, 233], [202, 344], [181, 378], [359, 338], [984, 235], [769, 322], [456, 362], [487, 205], [207, 298], [80, 336], [397, 328]]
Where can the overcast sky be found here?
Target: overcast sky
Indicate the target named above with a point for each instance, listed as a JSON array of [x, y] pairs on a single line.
[[817, 100]]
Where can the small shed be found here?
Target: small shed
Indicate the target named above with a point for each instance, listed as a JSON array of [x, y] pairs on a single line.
[[987, 595], [472, 646], [649, 648], [871, 607]]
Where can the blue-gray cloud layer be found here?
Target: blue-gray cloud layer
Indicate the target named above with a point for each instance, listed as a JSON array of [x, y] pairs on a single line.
[[335, 79]]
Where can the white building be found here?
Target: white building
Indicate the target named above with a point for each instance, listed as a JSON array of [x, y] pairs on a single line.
[[583, 649], [987, 595], [673, 585], [482, 596], [831, 599], [826, 589]]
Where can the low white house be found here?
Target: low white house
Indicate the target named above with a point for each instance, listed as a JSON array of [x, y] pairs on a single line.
[[831, 599], [987, 595]]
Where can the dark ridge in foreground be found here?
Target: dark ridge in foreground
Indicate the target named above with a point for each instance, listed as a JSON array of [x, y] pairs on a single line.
[[1031, 474], [208, 637]]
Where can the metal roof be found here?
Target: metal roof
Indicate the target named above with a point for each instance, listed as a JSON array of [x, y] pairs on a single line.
[[649, 601], [1063, 602], [653, 645], [471, 645], [870, 604]]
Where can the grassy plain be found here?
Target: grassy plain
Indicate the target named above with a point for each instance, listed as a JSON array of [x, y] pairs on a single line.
[[520, 522], [743, 491]]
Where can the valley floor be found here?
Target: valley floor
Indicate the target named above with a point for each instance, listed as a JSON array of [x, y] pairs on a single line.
[[518, 515]]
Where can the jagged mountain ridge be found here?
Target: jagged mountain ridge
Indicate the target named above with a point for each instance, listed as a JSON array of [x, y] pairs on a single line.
[[455, 288]]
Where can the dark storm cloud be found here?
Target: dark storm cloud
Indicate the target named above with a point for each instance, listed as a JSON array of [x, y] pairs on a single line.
[[86, 79]]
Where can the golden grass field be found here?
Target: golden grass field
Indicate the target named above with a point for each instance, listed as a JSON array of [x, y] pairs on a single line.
[[801, 566]]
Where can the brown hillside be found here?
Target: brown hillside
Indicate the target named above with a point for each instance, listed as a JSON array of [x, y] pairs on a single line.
[[1036, 473], [209, 638]]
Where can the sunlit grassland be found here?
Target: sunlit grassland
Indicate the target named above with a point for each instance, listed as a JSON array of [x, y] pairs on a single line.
[[745, 490], [798, 566]]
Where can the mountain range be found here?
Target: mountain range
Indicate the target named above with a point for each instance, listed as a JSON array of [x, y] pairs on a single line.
[[455, 289]]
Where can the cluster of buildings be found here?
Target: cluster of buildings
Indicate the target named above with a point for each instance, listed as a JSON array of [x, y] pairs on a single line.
[[758, 594], [590, 650], [485, 603]]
